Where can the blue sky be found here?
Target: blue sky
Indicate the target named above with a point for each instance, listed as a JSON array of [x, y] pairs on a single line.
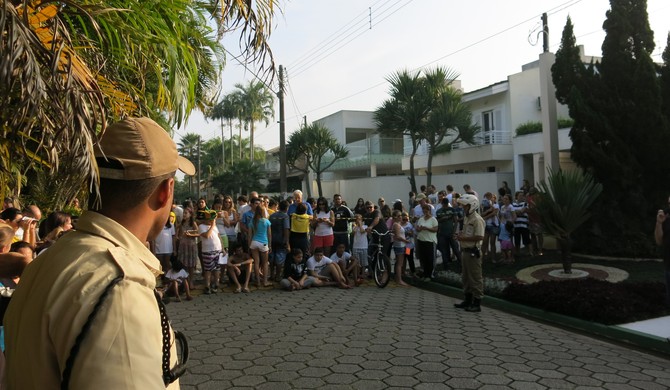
[[339, 53]]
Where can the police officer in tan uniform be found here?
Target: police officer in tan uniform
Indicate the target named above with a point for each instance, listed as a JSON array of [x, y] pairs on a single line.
[[471, 258], [103, 267]]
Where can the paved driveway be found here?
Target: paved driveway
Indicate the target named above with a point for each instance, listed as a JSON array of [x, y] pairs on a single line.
[[369, 338]]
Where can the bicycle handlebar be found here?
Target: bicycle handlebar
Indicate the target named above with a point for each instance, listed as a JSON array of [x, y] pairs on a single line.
[[374, 232]]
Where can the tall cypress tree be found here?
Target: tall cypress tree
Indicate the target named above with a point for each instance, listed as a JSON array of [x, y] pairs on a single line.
[[665, 80], [620, 132]]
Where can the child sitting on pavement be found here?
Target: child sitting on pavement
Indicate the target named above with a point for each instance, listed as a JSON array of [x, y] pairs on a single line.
[[347, 263], [239, 267], [325, 271], [177, 280], [295, 273]]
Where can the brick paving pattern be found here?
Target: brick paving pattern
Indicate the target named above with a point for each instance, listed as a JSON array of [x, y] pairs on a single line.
[[395, 338]]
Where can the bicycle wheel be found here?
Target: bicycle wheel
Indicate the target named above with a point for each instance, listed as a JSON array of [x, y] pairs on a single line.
[[382, 270]]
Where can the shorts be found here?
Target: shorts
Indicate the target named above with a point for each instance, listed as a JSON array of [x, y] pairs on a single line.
[[310, 281], [322, 241], [362, 255], [492, 229], [259, 245], [399, 250], [506, 245], [286, 284], [325, 272], [278, 255], [210, 261], [535, 228]]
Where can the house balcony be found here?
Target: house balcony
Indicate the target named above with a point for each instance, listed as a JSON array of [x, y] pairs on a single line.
[[490, 149], [383, 153]]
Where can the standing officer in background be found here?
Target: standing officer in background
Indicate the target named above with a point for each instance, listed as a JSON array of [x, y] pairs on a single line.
[[662, 237], [471, 257], [52, 338]]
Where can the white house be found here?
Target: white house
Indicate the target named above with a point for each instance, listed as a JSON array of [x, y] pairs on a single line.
[[379, 166]]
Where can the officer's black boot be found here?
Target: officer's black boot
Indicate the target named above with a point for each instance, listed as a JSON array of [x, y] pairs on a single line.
[[474, 307], [466, 303]]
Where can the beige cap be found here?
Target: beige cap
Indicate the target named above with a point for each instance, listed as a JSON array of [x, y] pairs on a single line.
[[420, 196], [138, 148]]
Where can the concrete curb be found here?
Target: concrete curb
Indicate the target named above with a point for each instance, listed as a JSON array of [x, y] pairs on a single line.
[[615, 333]]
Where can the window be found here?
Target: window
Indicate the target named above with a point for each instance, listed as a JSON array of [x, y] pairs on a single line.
[[491, 126]]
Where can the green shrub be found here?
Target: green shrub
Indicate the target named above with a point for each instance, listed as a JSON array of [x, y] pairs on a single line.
[[536, 127], [529, 128], [593, 300]]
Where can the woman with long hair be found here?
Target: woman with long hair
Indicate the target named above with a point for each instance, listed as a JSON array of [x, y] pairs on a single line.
[[323, 222], [360, 207], [230, 219], [260, 235], [489, 211], [165, 244], [187, 253], [56, 224], [399, 245]]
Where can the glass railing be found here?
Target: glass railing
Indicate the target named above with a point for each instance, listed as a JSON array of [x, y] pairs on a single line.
[[369, 150], [496, 137]]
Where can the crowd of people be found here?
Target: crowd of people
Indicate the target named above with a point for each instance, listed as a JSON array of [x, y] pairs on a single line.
[[259, 239], [301, 243]]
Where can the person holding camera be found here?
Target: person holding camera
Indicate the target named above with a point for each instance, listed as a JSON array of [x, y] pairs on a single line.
[[471, 237]]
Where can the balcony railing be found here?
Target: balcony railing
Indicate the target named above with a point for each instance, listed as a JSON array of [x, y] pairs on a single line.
[[496, 137], [367, 151]]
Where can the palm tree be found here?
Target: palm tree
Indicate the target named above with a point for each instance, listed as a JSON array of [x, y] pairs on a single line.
[[257, 105], [405, 112], [226, 110], [449, 120], [241, 177], [66, 70], [188, 147], [314, 148], [562, 206]]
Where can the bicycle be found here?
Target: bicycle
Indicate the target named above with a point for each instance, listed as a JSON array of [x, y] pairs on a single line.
[[379, 262]]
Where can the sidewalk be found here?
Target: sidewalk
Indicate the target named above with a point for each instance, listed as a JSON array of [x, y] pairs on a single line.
[[656, 327], [392, 338]]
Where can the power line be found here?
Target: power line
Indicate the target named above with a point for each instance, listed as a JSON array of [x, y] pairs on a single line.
[[554, 10], [340, 43], [292, 95], [333, 36], [250, 71]]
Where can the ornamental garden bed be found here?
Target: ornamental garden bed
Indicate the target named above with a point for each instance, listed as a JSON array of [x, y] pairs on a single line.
[[591, 298]]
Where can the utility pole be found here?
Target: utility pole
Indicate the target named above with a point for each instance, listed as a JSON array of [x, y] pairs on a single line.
[[282, 134], [548, 106], [545, 33], [304, 120]]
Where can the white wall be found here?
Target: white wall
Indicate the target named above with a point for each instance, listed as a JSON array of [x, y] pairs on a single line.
[[392, 187], [341, 120]]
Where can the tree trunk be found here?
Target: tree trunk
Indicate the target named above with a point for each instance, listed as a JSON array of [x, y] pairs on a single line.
[[230, 124], [429, 168], [240, 140], [308, 187], [412, 179], [251, 141], [566, 254], [318, 184]]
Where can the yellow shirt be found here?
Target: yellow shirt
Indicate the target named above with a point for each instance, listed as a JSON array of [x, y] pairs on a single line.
[[57, 292], [300, 223]]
